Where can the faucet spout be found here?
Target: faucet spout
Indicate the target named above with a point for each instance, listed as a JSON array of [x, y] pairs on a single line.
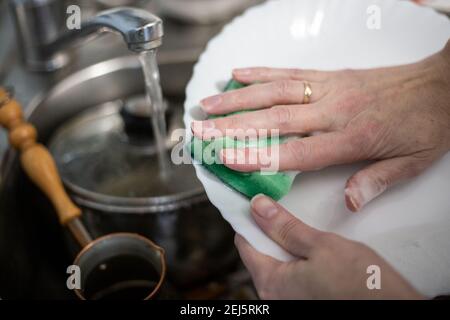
[[39, 25], [141, 30]]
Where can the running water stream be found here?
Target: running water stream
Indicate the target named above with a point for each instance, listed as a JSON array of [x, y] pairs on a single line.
[[155, 100]]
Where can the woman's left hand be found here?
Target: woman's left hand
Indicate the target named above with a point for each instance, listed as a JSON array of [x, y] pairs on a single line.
[[327, 266], [399, 117]]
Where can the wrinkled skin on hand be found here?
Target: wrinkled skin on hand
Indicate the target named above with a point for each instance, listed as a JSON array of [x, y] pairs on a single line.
[[399, 117], [327, 266]]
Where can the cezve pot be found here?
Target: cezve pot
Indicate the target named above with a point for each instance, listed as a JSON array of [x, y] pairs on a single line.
[[108, 163]]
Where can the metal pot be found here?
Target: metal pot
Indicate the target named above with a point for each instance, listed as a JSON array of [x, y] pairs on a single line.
[[198, 243], [107, 160]]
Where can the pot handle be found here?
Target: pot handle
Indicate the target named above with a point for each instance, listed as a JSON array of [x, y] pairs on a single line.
[[35, 158]]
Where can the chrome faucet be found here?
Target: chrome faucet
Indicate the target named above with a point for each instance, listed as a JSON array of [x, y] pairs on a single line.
[[39, 24]]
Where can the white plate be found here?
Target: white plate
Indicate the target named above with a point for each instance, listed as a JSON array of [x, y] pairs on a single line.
[[410, 224]]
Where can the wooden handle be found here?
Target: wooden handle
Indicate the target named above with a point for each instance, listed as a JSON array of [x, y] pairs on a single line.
[[36, 160]]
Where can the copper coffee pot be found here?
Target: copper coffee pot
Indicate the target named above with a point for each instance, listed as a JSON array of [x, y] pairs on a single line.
[[118, 265]]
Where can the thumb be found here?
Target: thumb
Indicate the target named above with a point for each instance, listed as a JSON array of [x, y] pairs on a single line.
[[281, 226], [373, 180]]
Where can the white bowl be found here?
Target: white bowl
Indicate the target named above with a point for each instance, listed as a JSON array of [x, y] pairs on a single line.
[[410, 224]]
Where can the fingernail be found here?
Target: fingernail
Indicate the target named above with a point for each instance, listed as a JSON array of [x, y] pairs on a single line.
[[358, 195], [350, 200], [242, 71], [263, 206], [211, 102], [202, 127]]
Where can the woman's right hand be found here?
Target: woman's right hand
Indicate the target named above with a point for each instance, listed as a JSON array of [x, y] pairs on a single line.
[[326, 266]]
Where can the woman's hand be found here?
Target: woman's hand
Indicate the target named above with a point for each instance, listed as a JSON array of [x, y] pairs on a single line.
[[398, 116], [327, 267]]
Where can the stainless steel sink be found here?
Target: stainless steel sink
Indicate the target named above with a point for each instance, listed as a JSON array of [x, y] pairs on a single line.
[[33, 247], [34, 250], [105, 81]]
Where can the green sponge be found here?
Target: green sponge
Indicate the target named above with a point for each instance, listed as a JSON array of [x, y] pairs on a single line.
[[275, 185]]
